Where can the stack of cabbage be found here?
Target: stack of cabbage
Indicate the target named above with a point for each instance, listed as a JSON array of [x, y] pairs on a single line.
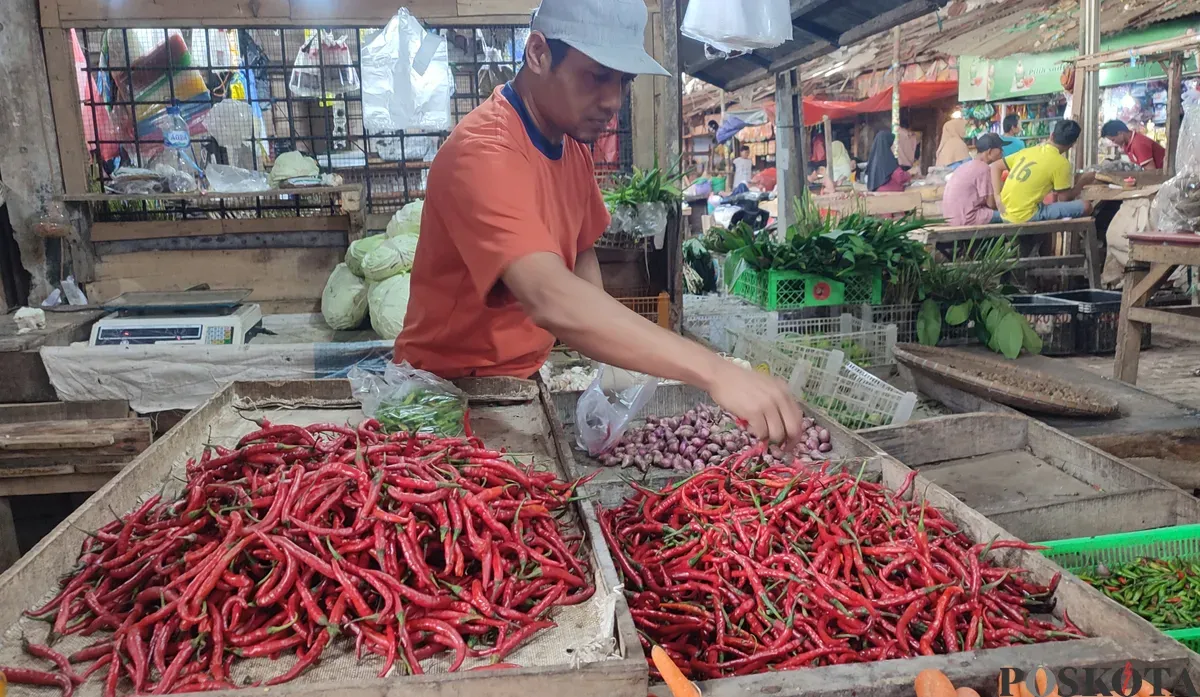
[[375, 277]]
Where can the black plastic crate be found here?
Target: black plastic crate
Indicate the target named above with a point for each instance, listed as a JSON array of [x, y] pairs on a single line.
[[1055, 321], [1099, 311]]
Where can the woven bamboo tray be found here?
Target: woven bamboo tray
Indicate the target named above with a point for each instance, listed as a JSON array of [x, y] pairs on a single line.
[[1020, 388]]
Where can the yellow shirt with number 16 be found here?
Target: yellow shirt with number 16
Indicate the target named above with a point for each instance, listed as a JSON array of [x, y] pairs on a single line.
[[1033, 173]]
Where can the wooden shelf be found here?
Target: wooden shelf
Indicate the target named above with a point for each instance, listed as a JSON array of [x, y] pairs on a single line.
[[213, 196]]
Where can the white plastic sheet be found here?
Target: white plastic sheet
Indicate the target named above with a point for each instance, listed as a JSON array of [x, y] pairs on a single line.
[[1177, 206], [736, 26], [406, 80]]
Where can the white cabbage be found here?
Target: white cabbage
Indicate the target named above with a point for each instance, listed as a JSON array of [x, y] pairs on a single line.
[[393, 256], [388, 300], [359, 249], [407, 220], [344, 302]]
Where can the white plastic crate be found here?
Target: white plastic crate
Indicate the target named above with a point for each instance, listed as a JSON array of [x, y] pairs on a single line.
[[857, 399], [707, 317], [847, 392], [865, 343]]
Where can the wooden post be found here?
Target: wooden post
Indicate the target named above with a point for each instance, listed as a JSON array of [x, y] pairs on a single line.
[[790, 155], [897, 74], [671, 135], [28, 144], [1174, 110], [1088, 108], [829, 183]]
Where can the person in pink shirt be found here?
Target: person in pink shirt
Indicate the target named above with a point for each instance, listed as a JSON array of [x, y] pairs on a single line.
[[969, 198]]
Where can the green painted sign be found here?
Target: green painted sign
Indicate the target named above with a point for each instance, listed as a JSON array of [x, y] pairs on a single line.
[[1032, 74]]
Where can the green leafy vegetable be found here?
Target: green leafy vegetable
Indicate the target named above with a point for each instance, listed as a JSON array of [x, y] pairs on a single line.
[[929, 323], [423, 411]]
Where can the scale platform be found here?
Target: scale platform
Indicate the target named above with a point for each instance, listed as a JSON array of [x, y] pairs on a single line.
[[207, 318]]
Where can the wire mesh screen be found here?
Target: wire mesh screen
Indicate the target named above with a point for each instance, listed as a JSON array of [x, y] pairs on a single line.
[[250, 95]]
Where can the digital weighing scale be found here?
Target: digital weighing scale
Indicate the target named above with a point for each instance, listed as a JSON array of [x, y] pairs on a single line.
[[193, 317]]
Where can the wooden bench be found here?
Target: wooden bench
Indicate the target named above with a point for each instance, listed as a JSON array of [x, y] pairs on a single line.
[[1153, 257], [1088, 264]]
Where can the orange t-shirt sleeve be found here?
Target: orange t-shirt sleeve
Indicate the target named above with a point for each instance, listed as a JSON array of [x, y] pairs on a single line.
[[598, 218], [490, 213]]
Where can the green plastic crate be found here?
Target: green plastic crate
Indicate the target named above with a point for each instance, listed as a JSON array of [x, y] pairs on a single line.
[[792, 290], [1084, 553]]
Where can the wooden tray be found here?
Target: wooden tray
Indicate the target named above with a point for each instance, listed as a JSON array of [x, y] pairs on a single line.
[[517, 414], [1029, 390]]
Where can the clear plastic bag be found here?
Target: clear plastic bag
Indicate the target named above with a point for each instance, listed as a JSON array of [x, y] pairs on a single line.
[[737, 26], [406, 79], [1176, 208], [602, 415], [411, 400], [235, 180]]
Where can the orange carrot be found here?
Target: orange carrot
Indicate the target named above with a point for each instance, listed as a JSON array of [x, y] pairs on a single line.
[[679, 685]]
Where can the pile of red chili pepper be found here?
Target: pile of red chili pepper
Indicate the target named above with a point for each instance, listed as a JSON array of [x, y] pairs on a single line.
[[407, 546], [748, 567]]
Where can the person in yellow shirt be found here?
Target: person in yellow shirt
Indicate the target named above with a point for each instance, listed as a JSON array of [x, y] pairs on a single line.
[[1037, 171]]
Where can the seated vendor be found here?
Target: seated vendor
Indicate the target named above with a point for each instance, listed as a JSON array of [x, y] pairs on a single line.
[[506, 261], [969, 198], [884, 173], [1142, 150], [1035, 172]]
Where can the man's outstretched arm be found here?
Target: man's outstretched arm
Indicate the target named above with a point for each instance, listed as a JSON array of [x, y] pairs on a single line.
[[587, 319]]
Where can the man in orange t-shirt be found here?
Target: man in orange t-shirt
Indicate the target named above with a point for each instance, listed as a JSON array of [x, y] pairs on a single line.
[[506, 262]]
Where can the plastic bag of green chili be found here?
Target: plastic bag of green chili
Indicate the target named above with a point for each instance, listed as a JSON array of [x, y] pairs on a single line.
[[406, 399]]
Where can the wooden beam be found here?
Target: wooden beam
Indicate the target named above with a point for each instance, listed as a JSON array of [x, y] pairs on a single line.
[[803, 7], [1169, 320], [56, 411], [792, 60], [152, 230], [671, 116], [1165, 253], [212, 195], [817, 31], [160, 13], [1174, 110], [642, 107], [889, 19], [1158, 48], [68, 115], [276, 275]]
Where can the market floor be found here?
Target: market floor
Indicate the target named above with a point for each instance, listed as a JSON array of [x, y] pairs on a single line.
[[1170, 370]]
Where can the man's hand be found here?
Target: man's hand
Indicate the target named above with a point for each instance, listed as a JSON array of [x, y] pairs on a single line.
[[765, 402], [587, 319]]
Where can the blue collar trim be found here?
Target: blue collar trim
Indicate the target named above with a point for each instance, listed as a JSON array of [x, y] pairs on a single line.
[[543, 144]]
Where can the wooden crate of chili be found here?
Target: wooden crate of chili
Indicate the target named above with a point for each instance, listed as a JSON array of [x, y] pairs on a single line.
[[727, 532], [346, 578]]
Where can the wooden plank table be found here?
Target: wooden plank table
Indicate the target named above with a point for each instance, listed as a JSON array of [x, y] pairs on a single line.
[[1153, 257], [1105, 192]]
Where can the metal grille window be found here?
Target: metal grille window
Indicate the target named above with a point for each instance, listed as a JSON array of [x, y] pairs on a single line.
[[250, 95]]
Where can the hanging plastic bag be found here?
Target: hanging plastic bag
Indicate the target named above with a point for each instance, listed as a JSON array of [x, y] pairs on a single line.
[[609, 404], [406, 80], [410, 400], [1176, 208], [736, 26]]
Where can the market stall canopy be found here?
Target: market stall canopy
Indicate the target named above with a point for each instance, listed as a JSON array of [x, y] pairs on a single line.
[[820, 26], [911, 94]]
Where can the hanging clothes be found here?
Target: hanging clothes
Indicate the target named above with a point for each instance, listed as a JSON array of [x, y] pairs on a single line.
[[953, 147]]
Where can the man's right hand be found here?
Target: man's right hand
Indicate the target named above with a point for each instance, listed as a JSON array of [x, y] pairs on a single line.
[[764, 401]]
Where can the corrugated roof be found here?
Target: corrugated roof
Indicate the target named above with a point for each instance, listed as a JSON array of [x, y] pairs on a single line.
[[820, 26]]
